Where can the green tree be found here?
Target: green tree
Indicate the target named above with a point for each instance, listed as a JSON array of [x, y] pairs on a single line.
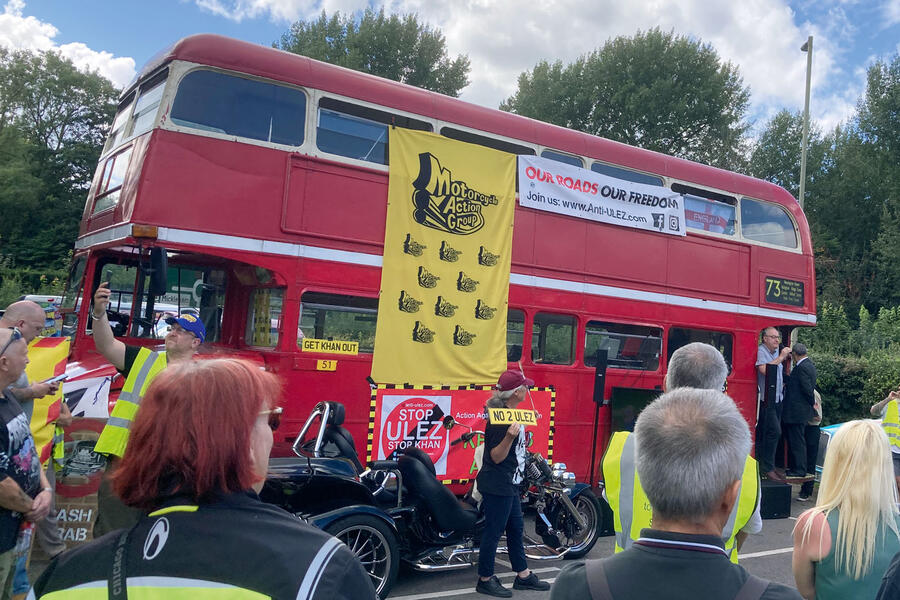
[[391, 46], [655, 90], [776, 154], [55, 119]]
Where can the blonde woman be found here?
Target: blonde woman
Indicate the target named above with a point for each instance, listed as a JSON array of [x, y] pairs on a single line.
[[843, 545]]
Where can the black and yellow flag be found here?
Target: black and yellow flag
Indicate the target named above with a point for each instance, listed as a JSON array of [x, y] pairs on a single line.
[[445, 276]]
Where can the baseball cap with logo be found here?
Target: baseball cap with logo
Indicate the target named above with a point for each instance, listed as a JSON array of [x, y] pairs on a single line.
[[190, 323], [511, 379]]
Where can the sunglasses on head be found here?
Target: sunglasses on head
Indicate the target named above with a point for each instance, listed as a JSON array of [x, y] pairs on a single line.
[[16, 336], [274, 417]]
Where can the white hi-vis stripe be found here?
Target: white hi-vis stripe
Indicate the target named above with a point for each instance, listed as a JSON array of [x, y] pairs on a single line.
[[231, 242], [316, 568]]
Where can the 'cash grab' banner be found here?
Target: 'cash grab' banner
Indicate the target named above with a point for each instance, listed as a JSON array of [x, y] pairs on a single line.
[[559, 188], [445, 275]]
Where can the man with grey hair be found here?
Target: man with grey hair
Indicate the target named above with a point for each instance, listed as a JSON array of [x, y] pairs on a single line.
[[695, 365], [691, 447]]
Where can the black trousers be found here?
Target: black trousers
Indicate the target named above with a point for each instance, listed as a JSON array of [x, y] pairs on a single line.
[[811, 434], [796, 440], [768, 432]]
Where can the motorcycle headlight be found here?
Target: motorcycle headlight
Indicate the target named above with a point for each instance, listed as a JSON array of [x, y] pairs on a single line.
[[560, 466], [568, 478]]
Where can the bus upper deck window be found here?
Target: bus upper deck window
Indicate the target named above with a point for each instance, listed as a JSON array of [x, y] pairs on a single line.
[[626, 174], [627, 346], [553, 339], [220, 103], [568, 159], [515, 334], [357, 131], [706, 210], [145, 108], [117, 131], [768, 223]]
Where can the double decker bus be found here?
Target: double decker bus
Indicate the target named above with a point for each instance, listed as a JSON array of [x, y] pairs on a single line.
[[249, 186]]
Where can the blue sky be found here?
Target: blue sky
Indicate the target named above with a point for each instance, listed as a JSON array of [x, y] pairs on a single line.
[[505, 37]]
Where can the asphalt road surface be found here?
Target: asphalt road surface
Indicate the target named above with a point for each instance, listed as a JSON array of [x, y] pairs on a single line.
[[767, 554]]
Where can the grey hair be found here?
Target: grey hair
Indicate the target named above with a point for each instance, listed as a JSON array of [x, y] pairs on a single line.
[[690, 445], [498, 398], [799, 349], [696, 365]]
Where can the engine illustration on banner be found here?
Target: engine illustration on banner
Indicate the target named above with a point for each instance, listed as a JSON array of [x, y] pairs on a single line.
[[403, 418], [448, 241]]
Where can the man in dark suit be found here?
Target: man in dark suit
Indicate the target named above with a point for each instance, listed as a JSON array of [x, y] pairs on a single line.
[[799, 403]]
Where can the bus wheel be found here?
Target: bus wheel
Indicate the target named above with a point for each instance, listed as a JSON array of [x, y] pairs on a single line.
[[374, 544]]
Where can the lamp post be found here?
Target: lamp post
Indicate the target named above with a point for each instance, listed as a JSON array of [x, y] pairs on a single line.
[[808, 48]]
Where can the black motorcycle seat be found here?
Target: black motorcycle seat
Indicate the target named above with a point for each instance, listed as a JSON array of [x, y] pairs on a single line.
[[337, 414], [343, 441], [449, 513]]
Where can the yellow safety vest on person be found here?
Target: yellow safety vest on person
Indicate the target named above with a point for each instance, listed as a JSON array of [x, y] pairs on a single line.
[[631, 508], [891, 423], [114, 437]]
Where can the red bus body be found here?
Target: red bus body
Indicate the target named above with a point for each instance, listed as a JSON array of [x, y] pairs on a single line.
[[316, 222]]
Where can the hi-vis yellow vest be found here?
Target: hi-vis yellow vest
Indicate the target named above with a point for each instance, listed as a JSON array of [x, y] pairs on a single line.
[[114, 437], [891, 423], [631, 508]]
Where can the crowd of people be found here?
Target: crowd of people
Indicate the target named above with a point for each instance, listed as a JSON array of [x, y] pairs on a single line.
[[188, 445]]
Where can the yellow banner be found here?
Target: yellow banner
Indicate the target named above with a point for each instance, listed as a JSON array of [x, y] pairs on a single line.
[[445, 275], [47, 358], [508, 416]]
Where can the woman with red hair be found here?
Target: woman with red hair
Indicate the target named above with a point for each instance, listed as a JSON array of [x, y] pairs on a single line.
[[198, 453]]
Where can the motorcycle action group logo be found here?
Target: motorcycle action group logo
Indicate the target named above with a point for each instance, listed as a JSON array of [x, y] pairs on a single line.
[[444, 203]]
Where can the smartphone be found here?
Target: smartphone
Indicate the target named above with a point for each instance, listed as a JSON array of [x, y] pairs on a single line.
[[57, 379]]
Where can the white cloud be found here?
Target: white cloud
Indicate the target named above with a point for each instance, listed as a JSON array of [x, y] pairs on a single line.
[[503, 38], [28, 33], [892, 12]]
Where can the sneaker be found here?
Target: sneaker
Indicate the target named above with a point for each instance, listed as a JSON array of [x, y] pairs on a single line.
[[493, 587], [803, 498], [530, 583]]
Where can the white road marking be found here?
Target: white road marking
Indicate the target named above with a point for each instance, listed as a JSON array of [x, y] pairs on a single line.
[[766, 553]]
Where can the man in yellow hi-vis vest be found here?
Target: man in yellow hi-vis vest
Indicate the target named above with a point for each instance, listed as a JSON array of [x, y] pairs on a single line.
[[695, 365], [139, 365], [889, 411]]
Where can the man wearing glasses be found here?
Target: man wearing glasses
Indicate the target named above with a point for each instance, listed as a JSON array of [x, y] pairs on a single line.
[[24, 490], [139, 365], [769, 424]]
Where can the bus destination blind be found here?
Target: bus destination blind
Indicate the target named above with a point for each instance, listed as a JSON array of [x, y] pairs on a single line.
[[784, 291]]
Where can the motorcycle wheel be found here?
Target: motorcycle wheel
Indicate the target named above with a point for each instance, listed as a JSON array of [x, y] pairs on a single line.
[[374, 544], [588, 507]]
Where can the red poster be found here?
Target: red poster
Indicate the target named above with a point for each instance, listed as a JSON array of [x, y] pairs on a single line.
[[400, 418]]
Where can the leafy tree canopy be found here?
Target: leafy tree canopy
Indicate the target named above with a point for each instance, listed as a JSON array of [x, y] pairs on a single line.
[[391, 46], [655, 90]]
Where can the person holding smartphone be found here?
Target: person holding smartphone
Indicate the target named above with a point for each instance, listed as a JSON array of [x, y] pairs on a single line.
[[140, 365]]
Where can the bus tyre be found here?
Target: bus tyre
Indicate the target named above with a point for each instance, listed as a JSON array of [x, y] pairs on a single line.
[[374, 544], [581, 540]]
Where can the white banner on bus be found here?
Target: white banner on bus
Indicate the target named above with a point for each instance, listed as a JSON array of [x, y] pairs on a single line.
[[559, 188]]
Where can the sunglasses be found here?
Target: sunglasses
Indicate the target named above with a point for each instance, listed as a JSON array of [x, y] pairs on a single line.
[[15, 337], [274, 417]]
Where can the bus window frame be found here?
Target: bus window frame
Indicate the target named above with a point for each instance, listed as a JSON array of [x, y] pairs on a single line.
[[665, 183], [583, 345], [296, 343], [668, 333], [530, 332], [740, 221]]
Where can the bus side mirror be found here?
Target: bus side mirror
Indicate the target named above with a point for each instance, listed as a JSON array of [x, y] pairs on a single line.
[[600, 374], [159, 271]]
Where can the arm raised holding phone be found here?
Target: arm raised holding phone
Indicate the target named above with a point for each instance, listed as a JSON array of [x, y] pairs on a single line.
[[107, 344]]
